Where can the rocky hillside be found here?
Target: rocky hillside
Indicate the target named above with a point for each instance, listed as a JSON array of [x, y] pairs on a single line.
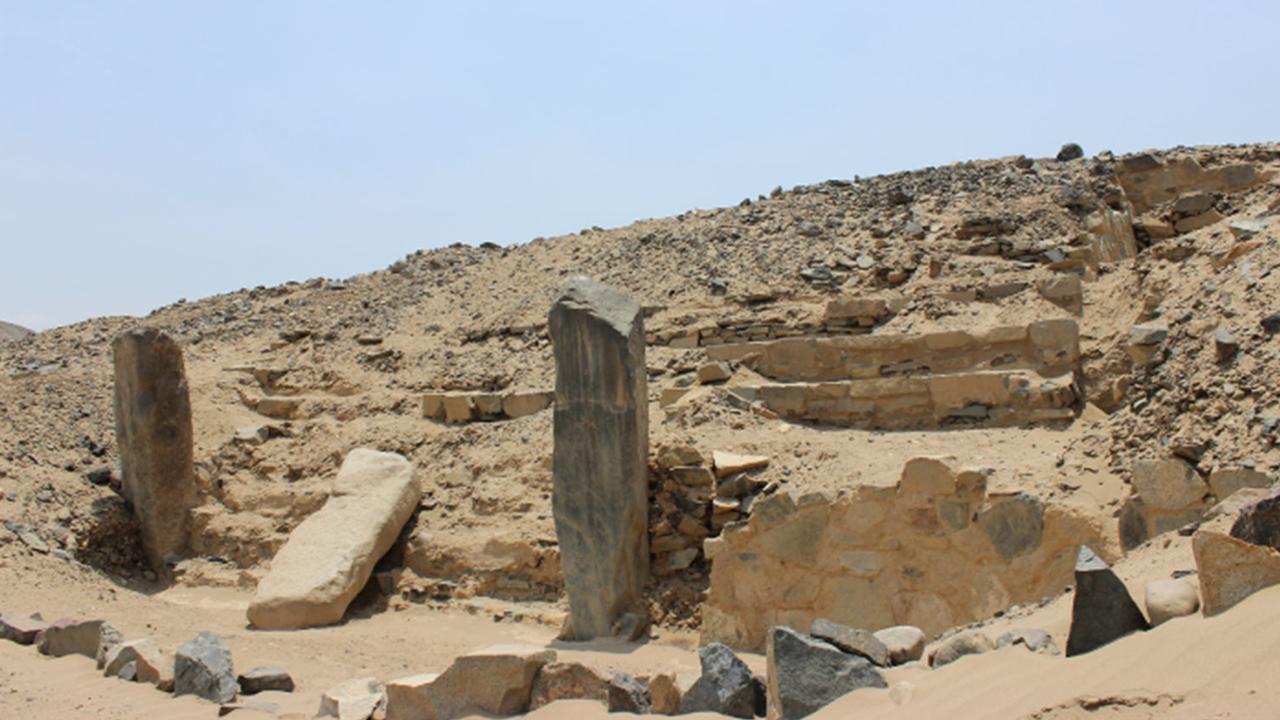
[[1164, 259], [9, 331]]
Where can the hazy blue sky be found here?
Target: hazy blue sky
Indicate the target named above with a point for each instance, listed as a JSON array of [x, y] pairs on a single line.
[[157, 150]]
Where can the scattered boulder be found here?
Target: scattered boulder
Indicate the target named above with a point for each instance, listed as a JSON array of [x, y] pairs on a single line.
[[807, 674], [108, 638], [154, 434], [1225, 482], [1102, 609], [497, 681], [567, 681], [1236, 552], [716, 371], [664, 694], [1070, 151], [145, 657], [627, 694], [202, 667], [957, 646], [724, 687], [1167, 484], [905, 643], [600, 496], [1168, 599], [330, 555], [21, 629], [71, 637], [851, 640], [409, 698], [1033, 639], [352, 700], [1014, 525], [262, 679]]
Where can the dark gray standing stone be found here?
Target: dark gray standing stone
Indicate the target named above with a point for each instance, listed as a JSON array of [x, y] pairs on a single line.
[[1070, 151], [600, 492], [202, 667], [262, 679], [21, 629], [153, 431], [1259, 523], [851, 640], [806, 674], [71, 637], [1102, 609], [626, 694], [725, 686], [1014, 526]]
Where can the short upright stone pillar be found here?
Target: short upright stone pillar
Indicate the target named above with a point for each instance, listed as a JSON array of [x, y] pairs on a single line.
[[600, 495], [153, 432]]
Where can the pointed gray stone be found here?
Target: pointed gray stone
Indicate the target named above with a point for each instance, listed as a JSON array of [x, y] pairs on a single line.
[[600, 492], [1102, 609], [724, 687], [805, 674], [202, 667]]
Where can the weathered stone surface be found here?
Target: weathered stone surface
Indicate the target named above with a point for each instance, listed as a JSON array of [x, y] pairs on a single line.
[[1014, 526], [153, 432], [1238, 551], [108, 638], [352, 700], [716, 371], [600, 459], [409, 698], [1102, 609], [262, 679], [905, 643], [806, 674], [1033, 639], [1168, 599], [330, 555], [851, 640], [970, 642], [22, 629], [1226, 481], [567, 681], [724, 687], [727, 463], [627, 694], [71, 637], [664, 693], [202, 667], [1259, 523], [1167, 484], [496, 681], [1152, 333], [148, 662]]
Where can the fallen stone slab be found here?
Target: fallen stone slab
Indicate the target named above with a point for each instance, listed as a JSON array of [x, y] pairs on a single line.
[[409, 698], [851, 640], [71, 637], [22, 629], [952, 649], [727, 463], [1235, 552], [1170, 598], [202, 667], [330, 555], [352, 700], [806, 674], [1102, 609], [154, 434], [600, 495], [262, 679], [724, 687], [144, 655], [905, 643]]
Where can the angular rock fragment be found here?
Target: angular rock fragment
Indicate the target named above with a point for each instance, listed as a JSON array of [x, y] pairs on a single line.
[[71, 637], [966, 643], [108, 638], [567, 681], [851, 640], [202, 667], [154, 434], [1238, 552], [262, 679], [806, 674], [409, 698], [724, 687], [497, 681], [664, 693], [905, 643], [727, 463], [1033, 639], [1102, 609], [1167, 484], [600, 459], [145, 657], [330, 555], [21, 629], [352, 700], [624, 693]]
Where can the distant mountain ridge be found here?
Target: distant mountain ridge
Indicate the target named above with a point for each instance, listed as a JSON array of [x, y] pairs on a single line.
[[9, 331]]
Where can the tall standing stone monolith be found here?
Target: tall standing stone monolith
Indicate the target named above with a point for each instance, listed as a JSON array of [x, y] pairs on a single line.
[[1102, 609], [600, 495], [153, 432]]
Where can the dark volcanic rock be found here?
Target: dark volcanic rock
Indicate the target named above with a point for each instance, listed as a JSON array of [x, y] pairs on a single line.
[[202, 667], [153, 431], [600, 493], [1259, 523], [725, 686], [1102, 609], [806, 674], [1070, 151]]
